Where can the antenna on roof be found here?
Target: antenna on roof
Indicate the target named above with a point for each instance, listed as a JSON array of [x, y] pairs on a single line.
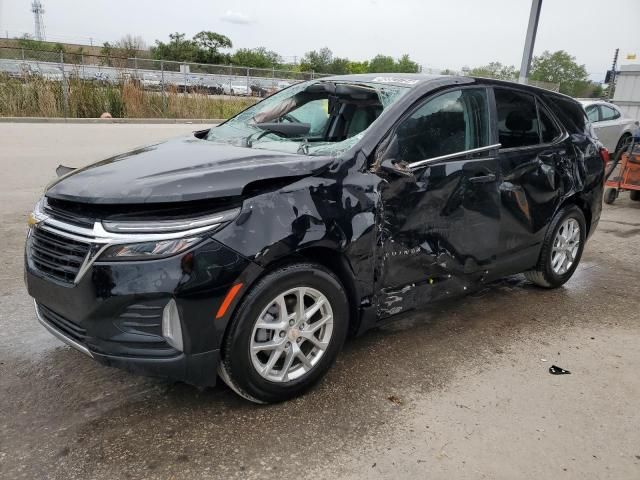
[[38, 18]]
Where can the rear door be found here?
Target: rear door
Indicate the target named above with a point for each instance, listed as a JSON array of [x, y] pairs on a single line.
[[609, 127], [536, 160], [439, 224]]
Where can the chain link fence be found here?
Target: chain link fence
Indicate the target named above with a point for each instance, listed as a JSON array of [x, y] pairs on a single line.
[[63, 84], [75, 84]]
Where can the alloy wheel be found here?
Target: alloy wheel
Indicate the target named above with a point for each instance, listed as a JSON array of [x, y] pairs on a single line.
[[565, 246], [291, 334]]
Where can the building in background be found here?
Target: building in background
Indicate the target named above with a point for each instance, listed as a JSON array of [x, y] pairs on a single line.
[[627, 93]]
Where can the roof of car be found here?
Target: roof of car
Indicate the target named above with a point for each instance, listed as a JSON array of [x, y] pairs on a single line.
[[397, 79]]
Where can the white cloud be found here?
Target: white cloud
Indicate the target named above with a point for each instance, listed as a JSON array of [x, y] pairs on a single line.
[[235, 17]]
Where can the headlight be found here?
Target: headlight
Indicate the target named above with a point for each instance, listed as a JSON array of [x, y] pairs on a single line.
[[148, 250], [166, 226]]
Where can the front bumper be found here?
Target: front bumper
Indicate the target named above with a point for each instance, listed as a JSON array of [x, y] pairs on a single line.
[[114, 312], [193, 369]]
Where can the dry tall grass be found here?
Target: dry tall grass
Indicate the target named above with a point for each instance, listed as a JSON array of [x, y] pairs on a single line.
[[39, 97]]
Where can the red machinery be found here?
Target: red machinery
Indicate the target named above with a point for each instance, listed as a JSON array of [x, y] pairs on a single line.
[[624, 172]]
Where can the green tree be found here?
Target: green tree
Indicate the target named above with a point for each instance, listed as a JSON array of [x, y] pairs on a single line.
[[495, 70], [560, 67], [208, 45], [178, 49], [318, 61], [359, 67], [256, 58], [382, 64], [406, 65], [340, 66]]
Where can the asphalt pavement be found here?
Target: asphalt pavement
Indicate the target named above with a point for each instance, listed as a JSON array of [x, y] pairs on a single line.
[[460, 390]]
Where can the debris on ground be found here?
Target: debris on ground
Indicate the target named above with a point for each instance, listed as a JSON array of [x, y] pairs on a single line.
[[555, 370], [394, 399]]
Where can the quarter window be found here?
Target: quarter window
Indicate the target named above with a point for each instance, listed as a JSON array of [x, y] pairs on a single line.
[[548, 128], [609, 113], [449, 123]]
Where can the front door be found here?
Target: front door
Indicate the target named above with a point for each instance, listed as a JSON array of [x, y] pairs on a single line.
[[439, 224]]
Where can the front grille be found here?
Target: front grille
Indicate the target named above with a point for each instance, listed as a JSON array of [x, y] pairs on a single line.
[[67, 327], [56, 256]]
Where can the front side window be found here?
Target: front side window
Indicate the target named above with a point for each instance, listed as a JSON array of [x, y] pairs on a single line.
[[609, 113], [449, 123], [331, 117]]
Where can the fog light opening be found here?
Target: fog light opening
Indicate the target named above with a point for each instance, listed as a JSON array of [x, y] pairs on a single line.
[[171, 327]]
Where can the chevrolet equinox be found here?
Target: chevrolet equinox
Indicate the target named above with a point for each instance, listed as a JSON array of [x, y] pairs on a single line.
[[251, 250]]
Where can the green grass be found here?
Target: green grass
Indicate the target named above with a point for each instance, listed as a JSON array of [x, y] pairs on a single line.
[[38, 97]]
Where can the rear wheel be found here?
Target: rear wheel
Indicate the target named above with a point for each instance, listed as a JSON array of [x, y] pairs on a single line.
[[561, 250], [634, 195], [286, 334]]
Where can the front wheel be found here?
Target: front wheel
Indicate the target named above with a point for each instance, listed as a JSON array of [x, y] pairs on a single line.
[[561, 250], [286, 333], [610, 195]]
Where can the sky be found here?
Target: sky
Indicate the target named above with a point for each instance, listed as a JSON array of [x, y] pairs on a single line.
[[437, 34]]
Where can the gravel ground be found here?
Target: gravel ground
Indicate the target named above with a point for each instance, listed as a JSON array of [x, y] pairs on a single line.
[[460, 390]]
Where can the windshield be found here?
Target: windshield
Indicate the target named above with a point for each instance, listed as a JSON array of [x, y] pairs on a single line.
[[314, 118]]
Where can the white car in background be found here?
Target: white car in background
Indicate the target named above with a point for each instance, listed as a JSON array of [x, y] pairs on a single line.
[[611, 126], [151, 81], [236, 88]]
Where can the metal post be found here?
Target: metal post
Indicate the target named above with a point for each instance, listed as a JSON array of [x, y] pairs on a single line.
[[248, 89], [612, 80], [164, 98], [185, 77], [530, 40], [65, 87], [22, 53]]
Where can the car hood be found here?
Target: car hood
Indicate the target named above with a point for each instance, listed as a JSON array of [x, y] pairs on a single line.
[[180, 170]]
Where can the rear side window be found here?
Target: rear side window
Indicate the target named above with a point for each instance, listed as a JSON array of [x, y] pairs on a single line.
[[449, 123], [608, 113], [517, 118], [522, 120]]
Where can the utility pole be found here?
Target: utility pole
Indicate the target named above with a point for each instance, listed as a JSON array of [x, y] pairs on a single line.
[[530, 40], [38, 18], [612, 79]]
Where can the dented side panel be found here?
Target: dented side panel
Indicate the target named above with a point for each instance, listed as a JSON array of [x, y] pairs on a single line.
[[438, 233], [334, 210]]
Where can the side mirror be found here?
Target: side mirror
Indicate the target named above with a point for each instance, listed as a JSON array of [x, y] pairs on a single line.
[[396, 167]]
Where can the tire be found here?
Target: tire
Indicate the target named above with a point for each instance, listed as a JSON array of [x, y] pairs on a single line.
[[544, 274], [610, 195], [634, 195], [247, 371], [624, 139]]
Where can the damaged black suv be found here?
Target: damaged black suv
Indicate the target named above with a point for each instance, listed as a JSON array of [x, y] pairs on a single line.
[[251, 250]]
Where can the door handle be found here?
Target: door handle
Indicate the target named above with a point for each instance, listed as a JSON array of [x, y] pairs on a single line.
[[483, 178]]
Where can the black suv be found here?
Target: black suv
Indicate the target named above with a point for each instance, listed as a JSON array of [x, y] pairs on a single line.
[[251, 250]]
